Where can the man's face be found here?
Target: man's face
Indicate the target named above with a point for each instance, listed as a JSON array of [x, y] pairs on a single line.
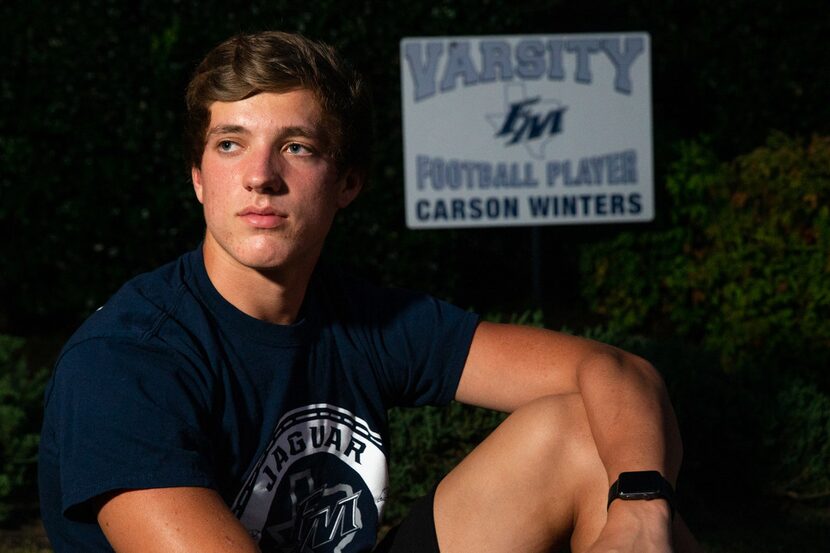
[[269, 186]]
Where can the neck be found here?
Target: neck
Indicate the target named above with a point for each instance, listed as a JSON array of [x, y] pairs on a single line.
[[273, 295]]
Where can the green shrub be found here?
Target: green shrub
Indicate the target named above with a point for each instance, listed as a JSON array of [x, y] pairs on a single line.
[[743, 266], [798, 431], [21, 393]]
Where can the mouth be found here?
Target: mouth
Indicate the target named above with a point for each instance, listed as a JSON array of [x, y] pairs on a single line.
[[262, 217]]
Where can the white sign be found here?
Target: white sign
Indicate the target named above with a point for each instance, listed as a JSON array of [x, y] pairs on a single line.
[[527, 130]]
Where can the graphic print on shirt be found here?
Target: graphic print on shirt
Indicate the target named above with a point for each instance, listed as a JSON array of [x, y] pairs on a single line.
[[320, 485]]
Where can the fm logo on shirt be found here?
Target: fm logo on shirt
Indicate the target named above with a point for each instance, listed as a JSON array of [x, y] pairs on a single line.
[[320, 485], [324, 518]]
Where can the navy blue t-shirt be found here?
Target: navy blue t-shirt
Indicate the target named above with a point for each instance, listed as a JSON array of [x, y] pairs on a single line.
[[170, 385]]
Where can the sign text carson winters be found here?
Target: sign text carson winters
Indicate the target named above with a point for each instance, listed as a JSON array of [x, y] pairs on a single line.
[[530, 59]]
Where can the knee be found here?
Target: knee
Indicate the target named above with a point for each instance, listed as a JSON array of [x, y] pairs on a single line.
[[556, 430], [560, 451]]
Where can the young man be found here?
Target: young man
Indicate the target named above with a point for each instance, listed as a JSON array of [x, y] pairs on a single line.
[[235, 400]]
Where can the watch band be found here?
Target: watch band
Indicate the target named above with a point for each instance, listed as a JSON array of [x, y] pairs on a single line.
[[647, 484]]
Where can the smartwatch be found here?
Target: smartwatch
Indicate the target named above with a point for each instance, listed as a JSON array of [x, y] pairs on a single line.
[[646, 484]]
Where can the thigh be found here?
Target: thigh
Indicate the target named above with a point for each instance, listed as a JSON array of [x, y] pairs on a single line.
[[533, 484]]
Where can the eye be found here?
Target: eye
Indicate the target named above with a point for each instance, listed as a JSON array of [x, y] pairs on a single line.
[[297, 149], [226, 145]]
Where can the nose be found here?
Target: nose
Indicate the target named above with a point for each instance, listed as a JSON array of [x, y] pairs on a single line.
[[262, 172]]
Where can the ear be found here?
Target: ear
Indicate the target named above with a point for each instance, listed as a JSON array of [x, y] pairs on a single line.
[[350, 186], [196, 177]]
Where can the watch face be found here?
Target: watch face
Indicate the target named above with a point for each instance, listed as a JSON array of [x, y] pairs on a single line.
[[640, 484]]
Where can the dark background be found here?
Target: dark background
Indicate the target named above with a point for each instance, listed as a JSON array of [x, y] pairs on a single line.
[[93, 190], [91, 173]]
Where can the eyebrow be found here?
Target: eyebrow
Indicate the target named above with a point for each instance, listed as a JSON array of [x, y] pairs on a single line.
[[306, 132], [228, 129]]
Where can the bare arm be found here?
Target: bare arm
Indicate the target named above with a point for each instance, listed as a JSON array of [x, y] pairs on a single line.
[[172, 520], [628, 408]]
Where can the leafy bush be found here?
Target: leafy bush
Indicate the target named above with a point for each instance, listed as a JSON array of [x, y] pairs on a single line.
[[743, 266], [798, 432], [21, 393]]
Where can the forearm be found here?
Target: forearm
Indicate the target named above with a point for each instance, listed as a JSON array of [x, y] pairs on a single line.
[[630, 414], [177, 520]]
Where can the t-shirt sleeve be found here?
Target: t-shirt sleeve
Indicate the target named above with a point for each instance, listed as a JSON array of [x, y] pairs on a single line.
[[131, 416], [423, 344]]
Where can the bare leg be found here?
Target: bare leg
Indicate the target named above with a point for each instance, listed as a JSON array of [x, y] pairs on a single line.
[[535, 484]]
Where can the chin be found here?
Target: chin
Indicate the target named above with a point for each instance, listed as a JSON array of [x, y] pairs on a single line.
[[270, 257], [263, 261], [265, 254]]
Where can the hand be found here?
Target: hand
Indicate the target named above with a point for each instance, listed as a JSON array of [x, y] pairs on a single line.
[[638, 526]]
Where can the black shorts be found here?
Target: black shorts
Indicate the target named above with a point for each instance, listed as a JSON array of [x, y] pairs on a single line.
[[415, 533]]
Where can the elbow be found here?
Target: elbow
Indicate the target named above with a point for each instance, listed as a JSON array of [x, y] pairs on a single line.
[[617, 367], [647, 373]]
